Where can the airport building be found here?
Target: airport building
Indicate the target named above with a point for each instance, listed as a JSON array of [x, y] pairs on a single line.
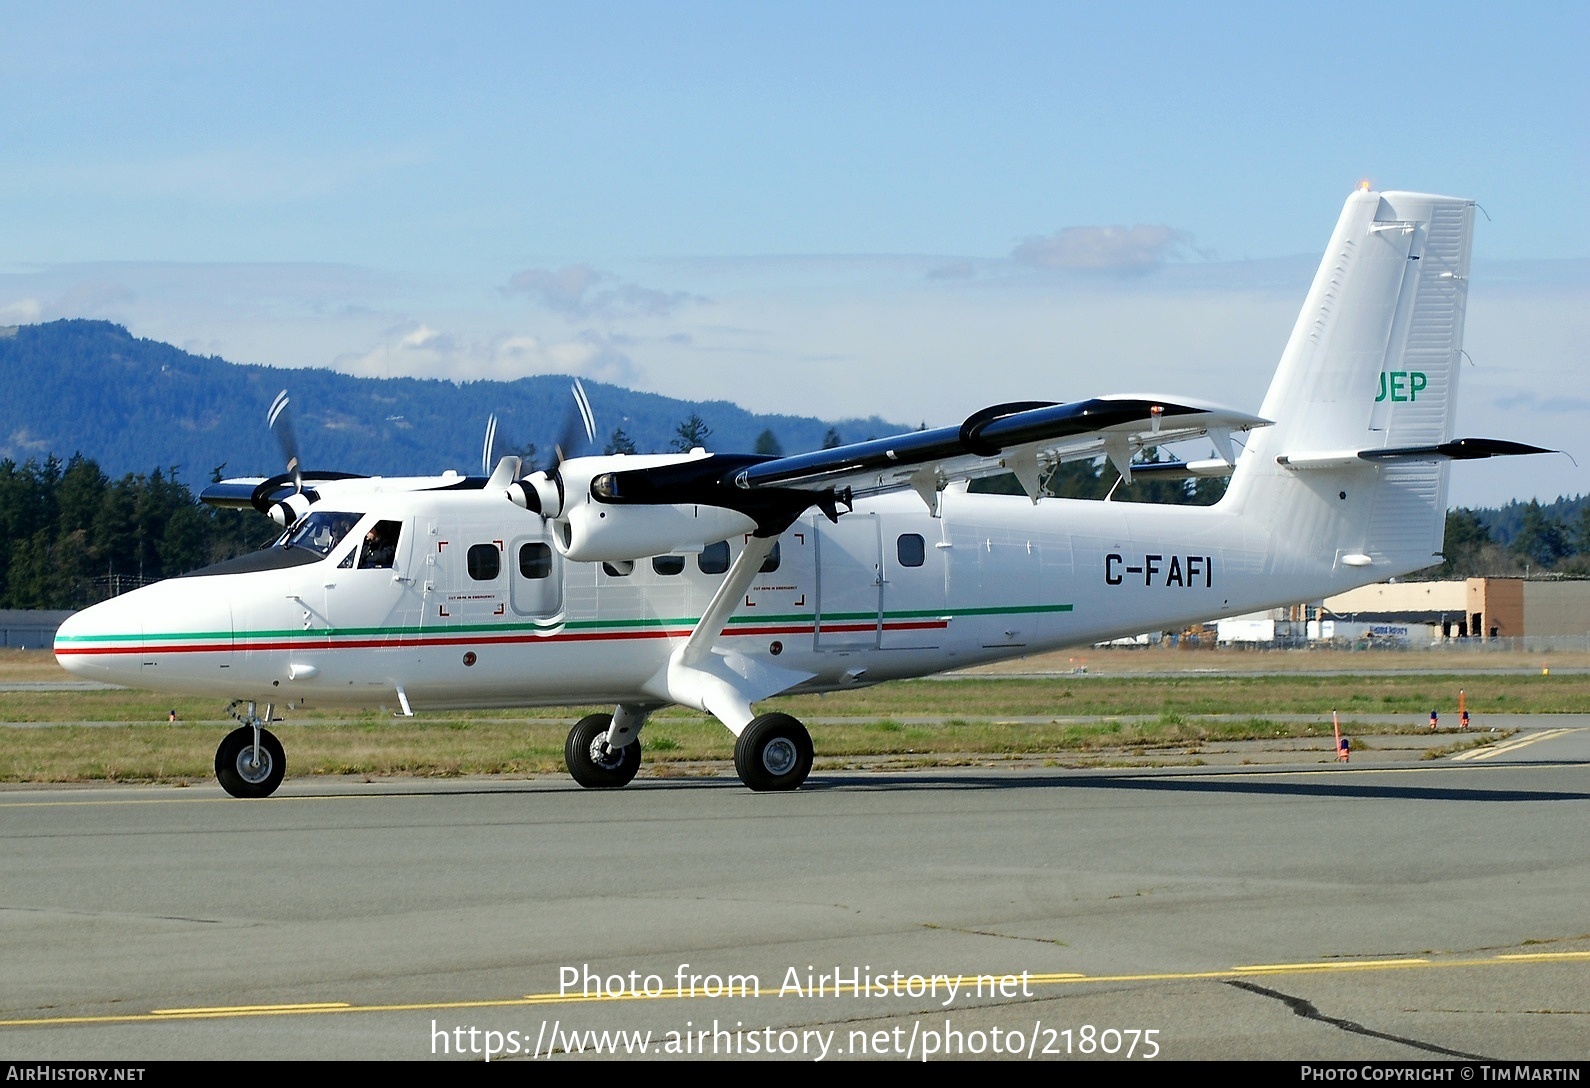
[[27, 629], [1484, 608]]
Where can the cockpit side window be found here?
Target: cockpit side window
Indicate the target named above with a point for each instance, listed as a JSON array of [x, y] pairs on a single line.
[[320, 530], [380, 546]]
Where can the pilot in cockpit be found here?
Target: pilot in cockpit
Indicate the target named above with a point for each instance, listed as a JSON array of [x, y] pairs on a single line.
[[380, 546]]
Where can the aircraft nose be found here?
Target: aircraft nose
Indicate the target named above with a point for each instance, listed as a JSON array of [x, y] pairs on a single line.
[[175, 635], [102, 642]]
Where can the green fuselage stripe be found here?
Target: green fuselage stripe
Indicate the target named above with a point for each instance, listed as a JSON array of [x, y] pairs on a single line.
[[571, 625]]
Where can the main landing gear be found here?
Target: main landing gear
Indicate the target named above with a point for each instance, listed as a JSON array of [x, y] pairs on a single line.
[[250, 761], [773, 753]]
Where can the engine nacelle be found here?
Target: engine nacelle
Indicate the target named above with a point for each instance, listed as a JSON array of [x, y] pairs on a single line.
[[592, 531], [539, 492], [287, 511], [595, 518], [551, 494]]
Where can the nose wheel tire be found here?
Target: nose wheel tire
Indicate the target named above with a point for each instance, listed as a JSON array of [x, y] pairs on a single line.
[[592, 763], [773, 753], [238, 771]]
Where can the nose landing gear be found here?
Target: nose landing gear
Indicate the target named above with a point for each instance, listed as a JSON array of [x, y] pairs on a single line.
[[594, 764], [249, 761]]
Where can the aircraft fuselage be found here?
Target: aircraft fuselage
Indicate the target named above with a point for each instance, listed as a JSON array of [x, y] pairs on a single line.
[[479, 610]]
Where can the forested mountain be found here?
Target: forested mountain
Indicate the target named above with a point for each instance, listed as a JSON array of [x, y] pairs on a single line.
[[131, 405], [154, 423]]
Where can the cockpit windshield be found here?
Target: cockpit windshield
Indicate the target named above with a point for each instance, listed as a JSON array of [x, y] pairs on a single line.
[[319, 530]]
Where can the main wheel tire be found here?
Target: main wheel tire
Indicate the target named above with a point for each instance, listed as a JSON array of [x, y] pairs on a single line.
[[774, 752], [592, 763], [236, 770]]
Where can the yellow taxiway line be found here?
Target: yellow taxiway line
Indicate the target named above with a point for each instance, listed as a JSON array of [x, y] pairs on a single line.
[[322, 1008]]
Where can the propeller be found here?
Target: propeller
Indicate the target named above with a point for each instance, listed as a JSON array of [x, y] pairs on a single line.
[[543, 491], [280, 422], [285, 511], [576, 430]]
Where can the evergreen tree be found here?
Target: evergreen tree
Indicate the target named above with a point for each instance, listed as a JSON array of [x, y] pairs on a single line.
[[1466, 540], [1541, 540], [1581, 534], [691, 432]]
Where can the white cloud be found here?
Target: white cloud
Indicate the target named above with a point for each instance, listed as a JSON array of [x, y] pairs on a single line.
[[21, 311], [579, 291], [1130, 250], [426, 338], [100, 296], [422, 351], [840, 337]]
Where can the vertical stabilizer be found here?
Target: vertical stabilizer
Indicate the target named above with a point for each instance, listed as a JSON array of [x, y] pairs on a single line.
[[1372, 364]]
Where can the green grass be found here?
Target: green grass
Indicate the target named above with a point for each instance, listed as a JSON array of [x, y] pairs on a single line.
[[938, 721]]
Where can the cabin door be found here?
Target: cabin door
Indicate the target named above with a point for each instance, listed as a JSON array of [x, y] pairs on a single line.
[[849, 582]]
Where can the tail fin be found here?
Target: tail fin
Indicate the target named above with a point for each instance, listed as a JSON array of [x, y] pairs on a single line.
[[1372, 365]]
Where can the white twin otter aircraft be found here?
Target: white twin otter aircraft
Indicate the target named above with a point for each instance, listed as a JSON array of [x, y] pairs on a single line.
[[715, 581]]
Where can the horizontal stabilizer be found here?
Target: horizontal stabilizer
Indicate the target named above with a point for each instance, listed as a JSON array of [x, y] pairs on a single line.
[[1459, 449]]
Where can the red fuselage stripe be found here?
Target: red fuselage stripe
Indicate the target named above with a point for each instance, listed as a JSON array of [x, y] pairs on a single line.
[[407, 642]]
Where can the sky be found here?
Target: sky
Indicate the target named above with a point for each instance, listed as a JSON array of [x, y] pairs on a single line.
[[910, 210]]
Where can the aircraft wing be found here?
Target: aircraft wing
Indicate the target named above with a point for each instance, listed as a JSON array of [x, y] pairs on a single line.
[[1026, 439]]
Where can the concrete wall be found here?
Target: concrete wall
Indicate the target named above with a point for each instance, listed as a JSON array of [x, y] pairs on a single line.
[[1556, 608], [1401, 597], [1510, 606], [22, 629], [1499, 603]]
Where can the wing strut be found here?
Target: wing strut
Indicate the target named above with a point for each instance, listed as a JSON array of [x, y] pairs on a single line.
[[719, 681]]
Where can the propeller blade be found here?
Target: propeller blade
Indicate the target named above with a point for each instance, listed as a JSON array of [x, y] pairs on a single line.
[[582, 419], [491, 440], [587, 416], [280, 421]]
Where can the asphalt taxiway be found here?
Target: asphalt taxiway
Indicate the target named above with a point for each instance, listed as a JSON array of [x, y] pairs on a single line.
[[1411, 910]]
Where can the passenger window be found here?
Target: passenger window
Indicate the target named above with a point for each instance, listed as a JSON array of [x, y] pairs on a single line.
[[770, 564], [668, 564], [484, 562], [535, 561], [714, 558], [622, 569], [911, 549]]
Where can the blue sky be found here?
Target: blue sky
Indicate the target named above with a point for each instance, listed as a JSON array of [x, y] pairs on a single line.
[[835, 209]]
